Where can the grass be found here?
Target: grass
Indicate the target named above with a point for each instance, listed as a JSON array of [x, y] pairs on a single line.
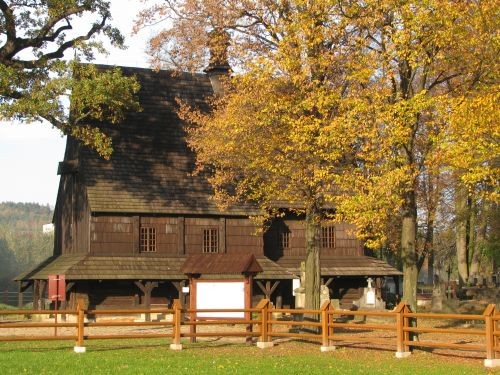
[[153, 357], [4, 306]]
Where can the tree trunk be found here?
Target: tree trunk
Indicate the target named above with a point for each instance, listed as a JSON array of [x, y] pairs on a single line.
[[461, 234], [428, 252], [474, 239], [408, 250], [313, 272]]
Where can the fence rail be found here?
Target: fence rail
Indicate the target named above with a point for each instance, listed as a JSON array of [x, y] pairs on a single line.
[[12, 298], [327, 325]]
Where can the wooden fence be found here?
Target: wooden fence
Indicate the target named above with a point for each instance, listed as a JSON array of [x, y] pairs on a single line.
[[327, 325], [12, 298]]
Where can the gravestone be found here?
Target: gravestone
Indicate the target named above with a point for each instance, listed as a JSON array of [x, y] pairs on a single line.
[[369, 299], [324, 295]]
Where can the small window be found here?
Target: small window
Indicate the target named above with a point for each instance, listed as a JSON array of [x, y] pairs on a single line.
[[211, 240], [148, 239], [284, 240], [328, 237]]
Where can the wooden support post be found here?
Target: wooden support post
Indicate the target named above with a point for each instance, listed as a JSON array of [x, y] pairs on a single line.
[[79, 348], [176, 342], [264, 339], [263, 289], [279, 301], [36, 302], [331, 312], [491, 360], [409, 322], [146, 289], [402, 349], [182, 295], [41, 292], [248, 304], [22, 288], [326, 310], [192, 305], [64, 304], [268, 289], [396, 284]]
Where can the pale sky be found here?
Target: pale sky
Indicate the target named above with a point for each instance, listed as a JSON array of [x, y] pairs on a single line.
[[29, 153]]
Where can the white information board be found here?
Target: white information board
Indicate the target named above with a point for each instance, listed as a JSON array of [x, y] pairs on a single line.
[[220, 295]]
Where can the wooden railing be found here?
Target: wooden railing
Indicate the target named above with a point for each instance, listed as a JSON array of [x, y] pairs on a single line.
[[261, 322]]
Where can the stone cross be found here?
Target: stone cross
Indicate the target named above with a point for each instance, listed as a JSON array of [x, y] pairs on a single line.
[[369, 280]]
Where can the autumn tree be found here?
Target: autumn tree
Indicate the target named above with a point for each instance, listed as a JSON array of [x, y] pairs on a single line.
[[426, 54], [345, 103], [277, 134], [36, 77]]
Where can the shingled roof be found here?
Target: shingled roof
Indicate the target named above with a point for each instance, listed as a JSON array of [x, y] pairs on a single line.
[[344, 266], [90, 267], [221, 264], [151, 168]]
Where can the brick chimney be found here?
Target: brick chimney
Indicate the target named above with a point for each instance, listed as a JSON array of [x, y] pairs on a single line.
[[218, 66]]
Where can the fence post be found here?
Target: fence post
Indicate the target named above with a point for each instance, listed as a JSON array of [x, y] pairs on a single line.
[[325, 327], [79, 348], [402, 350], [264, 341], [331, 311], [491, 360], [176, 344]]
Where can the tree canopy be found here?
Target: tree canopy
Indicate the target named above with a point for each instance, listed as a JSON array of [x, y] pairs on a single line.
[[22, 243], [36, 77], [353, 104]]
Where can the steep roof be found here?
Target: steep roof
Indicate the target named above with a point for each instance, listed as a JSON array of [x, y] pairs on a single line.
[[151, 168]]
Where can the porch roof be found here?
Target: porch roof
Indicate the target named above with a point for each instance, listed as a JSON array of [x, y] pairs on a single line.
[[91, 267], [344, 266]]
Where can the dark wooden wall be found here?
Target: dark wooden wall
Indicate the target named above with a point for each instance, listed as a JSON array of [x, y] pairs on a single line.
[[346, 243], [193, 229], [72, 214], [119, 234], [243, 236]]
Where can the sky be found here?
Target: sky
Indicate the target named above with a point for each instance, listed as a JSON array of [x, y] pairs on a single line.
[[29, 153]]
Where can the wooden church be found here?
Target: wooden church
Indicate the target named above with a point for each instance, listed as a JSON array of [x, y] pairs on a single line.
[[133, 230]]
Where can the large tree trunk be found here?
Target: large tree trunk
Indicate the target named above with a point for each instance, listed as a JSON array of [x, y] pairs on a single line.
[[461, 234], [408, 250], [313, 245]]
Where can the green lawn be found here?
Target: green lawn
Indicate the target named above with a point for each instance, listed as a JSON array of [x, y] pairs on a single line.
[[154, 357]]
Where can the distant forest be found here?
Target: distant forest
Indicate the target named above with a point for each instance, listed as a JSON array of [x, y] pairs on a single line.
[[22, 243]]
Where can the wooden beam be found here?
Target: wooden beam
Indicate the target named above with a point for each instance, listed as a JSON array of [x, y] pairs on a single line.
[[25, 286], [141, 286], [329, 281], [20, 295], [181, 247], [136, 234], [273, 288], [262, 287], [41, 291], [146, 288], [222, 235], [69, 285], [268, 289], [36, 302]]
